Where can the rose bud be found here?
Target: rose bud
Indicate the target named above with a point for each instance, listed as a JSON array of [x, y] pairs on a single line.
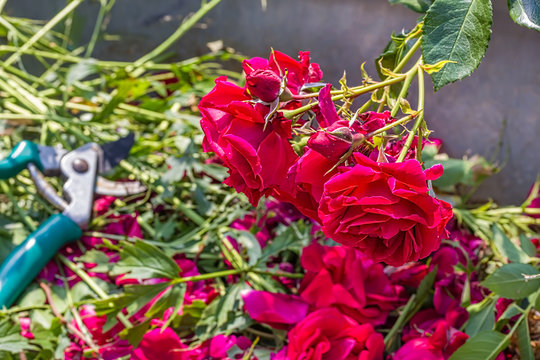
[[331, 144], [335, 141], [263, 84]]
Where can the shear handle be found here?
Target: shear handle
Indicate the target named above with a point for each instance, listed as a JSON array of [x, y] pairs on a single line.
[[26, 260], [24, 153]]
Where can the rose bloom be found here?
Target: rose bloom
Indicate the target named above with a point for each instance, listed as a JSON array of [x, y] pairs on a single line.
[[308, 176], [280, 311], [347, 280], [258, 155], [327, 334], [384, 209], [438, 346], [166, 345], [263, 77]]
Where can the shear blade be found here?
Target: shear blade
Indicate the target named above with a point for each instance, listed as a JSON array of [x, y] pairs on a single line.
[[115, 151], [118, 189]]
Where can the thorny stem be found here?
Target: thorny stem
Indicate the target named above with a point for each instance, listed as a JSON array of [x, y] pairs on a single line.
[[394, 124], [74, 312], [71, 328], [92, 285], [46, 28], [182, 29], [352, 93], [110, 64], [419, 119], [389, 338], [406, 85], [104, 7], [18, 309], [408, 56], [209, 276]]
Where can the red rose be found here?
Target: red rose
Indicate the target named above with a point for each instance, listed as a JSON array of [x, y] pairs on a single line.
[[258, 157], [347, 280], [327, 334], [372, 120], [383, 209], [438, 346], [278, 310], [298, 72], [263, 84], [332, 142], [308, 176]]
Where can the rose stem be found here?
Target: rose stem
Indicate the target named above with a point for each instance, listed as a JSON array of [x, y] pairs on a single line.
[[418, 121], [406, 85], [92, 285], [289, 114]]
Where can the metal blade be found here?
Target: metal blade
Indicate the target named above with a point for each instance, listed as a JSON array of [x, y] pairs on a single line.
[[118, 189], [114, 152]]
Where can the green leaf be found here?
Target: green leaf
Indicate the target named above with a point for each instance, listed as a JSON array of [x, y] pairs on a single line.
[[11, 339], [191, 314], [469, 172], [525, 13], [524, 341], [481, 316], [292, 237], [120, 94], [527, 245], [506, 247], [394, 51], [33, 295], [420, 6], [172, 297], [426, 285], [144, 261], [95, 256], [248, 242], [135, 334], [485, 345], [47, 337], [224, 315], [133, 299], [510, 281], [392, 54], [456, 30], [512, 310]]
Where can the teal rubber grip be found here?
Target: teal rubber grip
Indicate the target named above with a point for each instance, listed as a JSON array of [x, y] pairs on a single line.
[[23, 153], [26, 260]]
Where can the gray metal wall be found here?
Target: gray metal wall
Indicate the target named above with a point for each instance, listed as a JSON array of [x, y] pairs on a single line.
[[341, 34]]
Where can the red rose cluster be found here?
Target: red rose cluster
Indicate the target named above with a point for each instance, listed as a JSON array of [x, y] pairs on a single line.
[[359, 193]]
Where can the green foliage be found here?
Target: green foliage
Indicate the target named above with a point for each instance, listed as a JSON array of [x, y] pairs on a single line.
[[525, 13], [293, 237], [392, 54], [481, 316], [513, 281], [459, 31], [249, 242], [11, 339], [145, 261], [485, 345], [224, 315], [524, 341], [507, 247]]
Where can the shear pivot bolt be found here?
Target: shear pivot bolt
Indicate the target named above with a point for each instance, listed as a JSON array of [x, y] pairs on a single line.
[[80, 165]]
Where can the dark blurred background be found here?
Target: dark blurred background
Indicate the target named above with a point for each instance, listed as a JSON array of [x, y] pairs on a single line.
[[497, 108]]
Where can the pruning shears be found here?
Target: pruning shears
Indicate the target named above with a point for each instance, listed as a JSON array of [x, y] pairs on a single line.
[[81, 169]]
